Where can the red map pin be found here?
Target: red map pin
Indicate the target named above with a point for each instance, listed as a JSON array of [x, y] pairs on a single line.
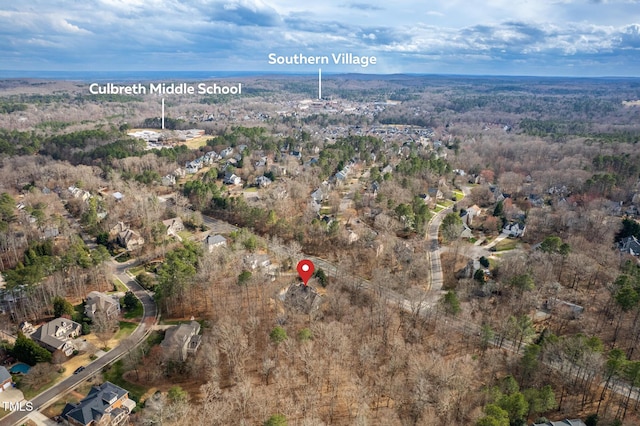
[[305, 270]]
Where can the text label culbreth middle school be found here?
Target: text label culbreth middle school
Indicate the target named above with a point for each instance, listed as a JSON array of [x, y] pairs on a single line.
[[164, 89]]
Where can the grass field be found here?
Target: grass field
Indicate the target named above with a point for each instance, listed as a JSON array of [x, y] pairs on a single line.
[[506, 244], [196, 143], [136, 313], [136, 270], [119, 285], [114, 375], [126, 328]]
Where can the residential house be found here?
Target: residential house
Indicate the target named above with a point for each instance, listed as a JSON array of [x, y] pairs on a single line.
[[317, 197], [630, 245], [341, 176], [192, 167], [100, 302], [374, 188], [435, 193], [106, 404], [302, 298], [231, 179], [130, 239], [126, 237], [181, 340], [352, 237], [514, 229], [263, 181], [174, 226], [498, 195], [79, 193], [168, 180], [566, 422], [278, 170], [50, 231], [212, 155], [226, 152], [256, 261], [535, 200], [27, 328], [5, 379], [425, 197], [57, 335], [563, 307], [469, 214], [118, 228], [214, 241]]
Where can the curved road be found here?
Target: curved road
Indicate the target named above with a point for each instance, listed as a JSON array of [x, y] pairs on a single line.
[[436, 277], [149, 318]]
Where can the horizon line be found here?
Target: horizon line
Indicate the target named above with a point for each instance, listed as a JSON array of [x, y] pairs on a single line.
[[15, 74]]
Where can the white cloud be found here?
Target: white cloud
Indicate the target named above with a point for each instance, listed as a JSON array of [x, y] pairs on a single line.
[[245, 30]]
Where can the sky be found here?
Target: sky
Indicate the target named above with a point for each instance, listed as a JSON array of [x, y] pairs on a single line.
[[496, 37]]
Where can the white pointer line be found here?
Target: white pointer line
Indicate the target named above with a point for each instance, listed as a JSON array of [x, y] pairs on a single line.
[[319, 83], [162, 113]]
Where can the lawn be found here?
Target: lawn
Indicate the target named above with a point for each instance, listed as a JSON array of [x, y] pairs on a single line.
[[135, 313], [119, 285], [196, 143], [114, 375], [126, 328], [56, 408], [136, 270], [506, 244], [155, 338], [31, 391], [459, 195]]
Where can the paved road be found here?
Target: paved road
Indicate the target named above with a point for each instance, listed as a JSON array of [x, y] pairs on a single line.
[[49, 396], [436, 277]]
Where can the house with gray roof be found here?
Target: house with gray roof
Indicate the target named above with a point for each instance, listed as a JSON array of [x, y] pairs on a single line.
[[58, 335], [214, 241], [5, 379], [514, 229], [630, 245], [100, 302], [106, 404], [180, 341], [566, 422]]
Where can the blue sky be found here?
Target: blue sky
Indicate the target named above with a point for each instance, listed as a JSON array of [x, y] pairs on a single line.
[[504, 37]]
